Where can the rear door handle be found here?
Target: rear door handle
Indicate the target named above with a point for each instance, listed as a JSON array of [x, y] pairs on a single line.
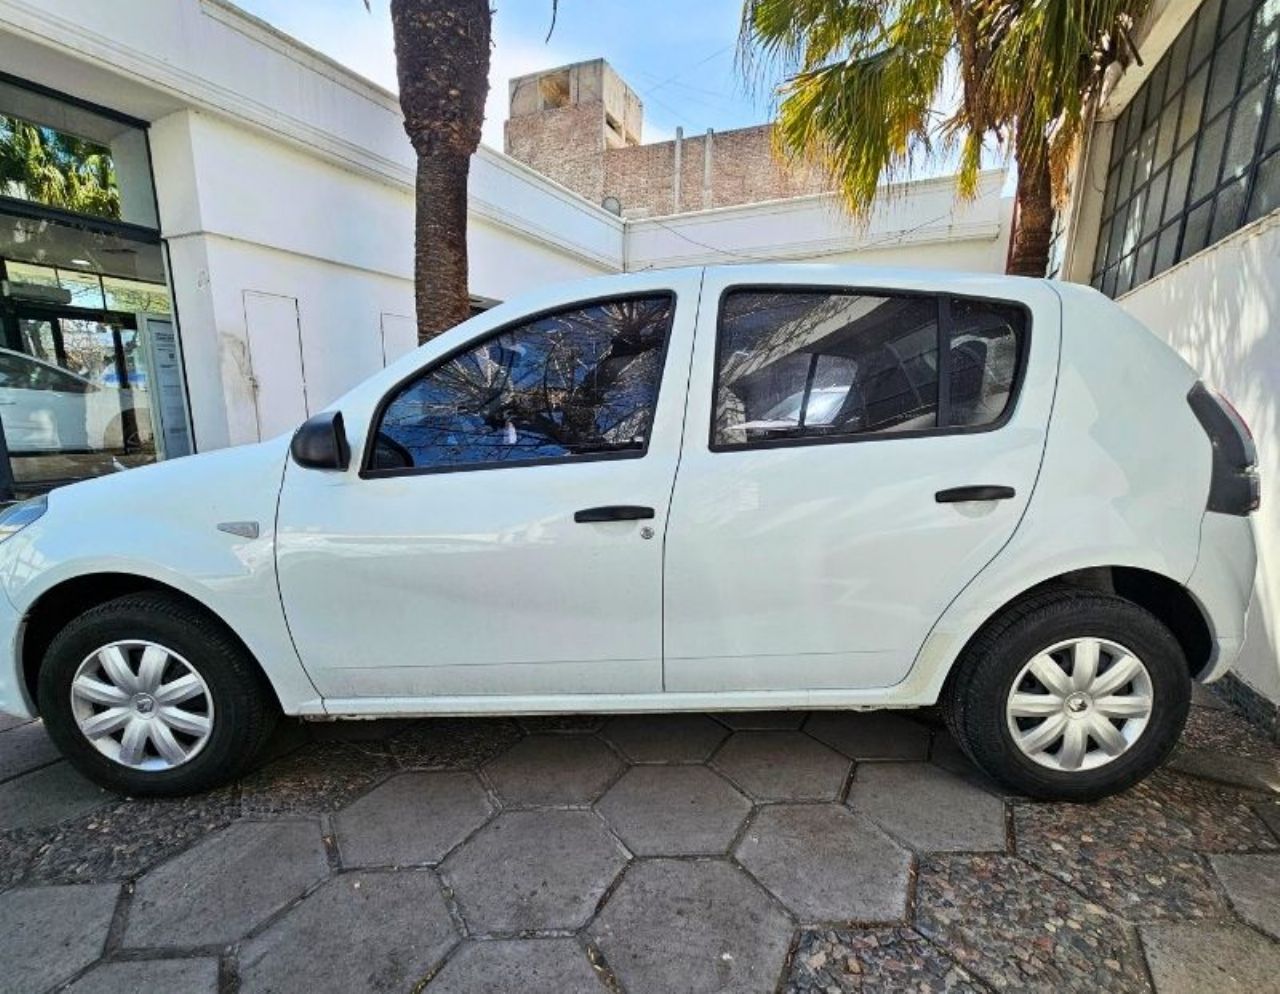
[[957, 494], [613, 512]]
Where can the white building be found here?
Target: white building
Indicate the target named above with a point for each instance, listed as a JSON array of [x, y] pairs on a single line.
[[1175, 216], [282, 218]]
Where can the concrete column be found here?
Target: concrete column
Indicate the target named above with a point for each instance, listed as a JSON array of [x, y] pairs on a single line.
[[706, 170], [675, 180]]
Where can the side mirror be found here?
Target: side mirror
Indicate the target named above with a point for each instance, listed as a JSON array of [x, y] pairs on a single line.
[[321, 443]]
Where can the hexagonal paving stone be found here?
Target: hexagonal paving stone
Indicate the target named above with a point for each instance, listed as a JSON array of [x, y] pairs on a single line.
[[875, 959], [533, 870], [358, 932], [762, 721], [51, 933], [216, 892], [674, 810], [1018, 929], [928, 808], [665, 738], [126, 838], [47, 796], [676, 926], [25, 747], [782, 766], [412, 818], [1224, 959], [870, 734], [1253, 884], [188, 976], [946, 755], [554, 769], [827, 864], [518, 966]]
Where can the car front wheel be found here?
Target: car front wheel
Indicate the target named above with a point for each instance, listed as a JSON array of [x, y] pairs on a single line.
[[148, 695], [1069, 695]]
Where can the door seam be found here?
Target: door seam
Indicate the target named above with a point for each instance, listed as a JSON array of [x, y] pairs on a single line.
[[671, 497]]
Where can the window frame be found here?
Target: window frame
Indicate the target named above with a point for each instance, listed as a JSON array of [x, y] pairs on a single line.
[[1109, 274], [945, 325], [368, 472]]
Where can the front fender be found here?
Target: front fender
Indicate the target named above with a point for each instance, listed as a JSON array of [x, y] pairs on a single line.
[[162, 524]]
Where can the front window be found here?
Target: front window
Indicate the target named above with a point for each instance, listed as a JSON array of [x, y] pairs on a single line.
[[578, 383], [817, 364]]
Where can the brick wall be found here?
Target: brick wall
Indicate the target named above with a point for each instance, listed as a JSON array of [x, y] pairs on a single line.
[[568, 145], [565, 144]]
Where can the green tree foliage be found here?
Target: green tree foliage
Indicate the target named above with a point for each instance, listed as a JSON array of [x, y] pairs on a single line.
[[862, 82], [57, 169]]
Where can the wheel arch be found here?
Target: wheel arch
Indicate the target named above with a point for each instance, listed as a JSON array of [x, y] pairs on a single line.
[[68, 599], [1166, 598]]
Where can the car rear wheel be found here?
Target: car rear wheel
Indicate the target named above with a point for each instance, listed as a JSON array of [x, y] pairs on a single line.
[[148, 695], [1069, 695]]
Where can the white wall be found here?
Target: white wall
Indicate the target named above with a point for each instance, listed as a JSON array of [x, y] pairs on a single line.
[[913, 224], [1221, 310], [242, 212]]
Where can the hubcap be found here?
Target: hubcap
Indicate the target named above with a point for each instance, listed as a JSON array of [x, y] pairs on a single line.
[[1079, 704], [142, 705]]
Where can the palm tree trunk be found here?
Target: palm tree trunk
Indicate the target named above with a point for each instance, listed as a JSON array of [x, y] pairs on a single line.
[[442, 64], [440, 243], [1033, 225]]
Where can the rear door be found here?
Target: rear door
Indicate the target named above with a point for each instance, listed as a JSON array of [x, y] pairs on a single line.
[[825, 513]]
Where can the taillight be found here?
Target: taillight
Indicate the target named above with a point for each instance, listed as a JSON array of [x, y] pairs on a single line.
[[1235, 487]]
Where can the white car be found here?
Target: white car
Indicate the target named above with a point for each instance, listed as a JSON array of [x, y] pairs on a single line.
[[1023, 506], [46, 409]]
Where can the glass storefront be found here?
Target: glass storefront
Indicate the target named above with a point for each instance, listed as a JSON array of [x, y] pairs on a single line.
[[90, 377]]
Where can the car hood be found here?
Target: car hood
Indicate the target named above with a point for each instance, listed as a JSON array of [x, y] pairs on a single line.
[[235, 484]]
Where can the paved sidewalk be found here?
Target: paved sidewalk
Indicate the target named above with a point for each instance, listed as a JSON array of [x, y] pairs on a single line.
[[749, 852]]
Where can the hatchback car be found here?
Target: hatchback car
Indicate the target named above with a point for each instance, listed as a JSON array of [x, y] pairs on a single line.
[[709, 489]]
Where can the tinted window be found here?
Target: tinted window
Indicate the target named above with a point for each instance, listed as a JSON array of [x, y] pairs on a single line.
[[800, 364], [576, 383], [986, 340], [805, 364]]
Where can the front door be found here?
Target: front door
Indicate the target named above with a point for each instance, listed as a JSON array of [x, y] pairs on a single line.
[[504, 536], [818, 528]]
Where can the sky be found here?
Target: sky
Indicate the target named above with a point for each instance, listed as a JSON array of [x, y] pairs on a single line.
[[678, 55]]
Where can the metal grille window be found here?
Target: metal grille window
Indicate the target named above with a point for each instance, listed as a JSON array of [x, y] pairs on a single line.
[[1196, 154]]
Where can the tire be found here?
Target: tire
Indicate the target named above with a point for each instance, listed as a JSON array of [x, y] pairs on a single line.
[[1065, 620], [230, 694]]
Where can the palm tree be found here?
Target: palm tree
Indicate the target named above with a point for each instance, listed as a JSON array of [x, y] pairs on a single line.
[[863, 80], [442, 65]]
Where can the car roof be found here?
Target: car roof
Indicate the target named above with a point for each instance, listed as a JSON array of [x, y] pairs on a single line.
[[43, 362]]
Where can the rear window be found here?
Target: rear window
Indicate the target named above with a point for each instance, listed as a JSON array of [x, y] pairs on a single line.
[[793, 365]]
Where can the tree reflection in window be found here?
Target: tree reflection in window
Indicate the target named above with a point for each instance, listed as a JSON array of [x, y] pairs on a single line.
[[576, 383]]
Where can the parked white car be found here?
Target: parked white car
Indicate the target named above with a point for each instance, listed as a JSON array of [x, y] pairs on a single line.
[[731, 488], [46, 409]]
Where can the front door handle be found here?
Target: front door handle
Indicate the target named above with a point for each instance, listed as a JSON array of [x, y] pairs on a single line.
[[957, 494], [613, 512]]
